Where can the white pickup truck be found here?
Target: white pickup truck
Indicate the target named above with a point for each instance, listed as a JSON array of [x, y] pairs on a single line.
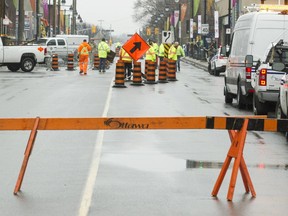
[[266, 81], [24, 57]]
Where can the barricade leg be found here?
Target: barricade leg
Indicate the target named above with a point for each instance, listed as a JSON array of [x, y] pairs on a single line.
[[27, 154], [235, 151]]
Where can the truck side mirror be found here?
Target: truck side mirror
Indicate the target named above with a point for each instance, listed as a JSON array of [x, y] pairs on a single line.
[[278, 66], [248, 61]]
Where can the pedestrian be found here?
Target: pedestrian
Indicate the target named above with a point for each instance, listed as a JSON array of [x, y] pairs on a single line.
[[103, 50], [180, 53], [126, 58], [83, 53]]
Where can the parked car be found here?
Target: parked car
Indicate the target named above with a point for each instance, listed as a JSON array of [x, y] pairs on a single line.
[[217, 63]]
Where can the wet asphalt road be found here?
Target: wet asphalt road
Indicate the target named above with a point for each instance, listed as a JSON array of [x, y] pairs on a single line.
[[155, 172]]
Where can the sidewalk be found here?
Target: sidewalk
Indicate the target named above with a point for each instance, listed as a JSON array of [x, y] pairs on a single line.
[[197, 63]]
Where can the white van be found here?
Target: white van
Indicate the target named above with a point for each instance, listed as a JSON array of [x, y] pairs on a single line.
[[252, 35]]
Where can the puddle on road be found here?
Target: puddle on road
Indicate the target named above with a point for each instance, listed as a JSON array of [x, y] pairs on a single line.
[[166, 163]]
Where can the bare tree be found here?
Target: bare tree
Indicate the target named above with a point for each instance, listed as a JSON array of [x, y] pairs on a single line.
[[145, 9]]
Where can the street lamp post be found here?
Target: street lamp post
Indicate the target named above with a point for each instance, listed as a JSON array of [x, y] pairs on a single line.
[[20, 21], [74, 13]]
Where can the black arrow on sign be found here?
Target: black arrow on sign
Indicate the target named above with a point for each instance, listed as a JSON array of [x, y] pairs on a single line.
[[168, 37], [137, 46]]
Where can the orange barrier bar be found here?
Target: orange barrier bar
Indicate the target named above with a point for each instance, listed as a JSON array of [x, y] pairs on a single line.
[[237, 126], [146, 123]]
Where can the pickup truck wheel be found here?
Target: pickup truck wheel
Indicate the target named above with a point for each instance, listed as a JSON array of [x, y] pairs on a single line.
[[13, 67], [209, 68], [239, 98], [258, 107], [27, 64], [278, 111], [216, 73], [228, 96]]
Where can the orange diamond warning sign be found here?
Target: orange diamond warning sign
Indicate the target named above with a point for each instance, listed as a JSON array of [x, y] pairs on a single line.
[[136, 46]]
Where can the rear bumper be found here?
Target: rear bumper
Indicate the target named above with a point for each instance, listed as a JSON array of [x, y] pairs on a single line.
[[268, 96]]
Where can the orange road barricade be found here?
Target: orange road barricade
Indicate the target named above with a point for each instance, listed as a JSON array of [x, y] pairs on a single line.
[[171, 73], [237, 128], [137, 74], [120, 75], [96, 62], [55, 62], [150, 76], [162, 72], [70, 62]]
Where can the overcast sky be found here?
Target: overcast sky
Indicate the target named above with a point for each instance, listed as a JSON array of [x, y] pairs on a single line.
[[117, 13]]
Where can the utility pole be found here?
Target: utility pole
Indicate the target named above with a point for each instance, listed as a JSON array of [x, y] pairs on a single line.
[[2, 15], [74, 17], [37, 20], [54, 17], [20, 21], [58, 17]]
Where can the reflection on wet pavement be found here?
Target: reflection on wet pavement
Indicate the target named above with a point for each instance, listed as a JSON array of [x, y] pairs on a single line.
[[167, 163], [192, 164]]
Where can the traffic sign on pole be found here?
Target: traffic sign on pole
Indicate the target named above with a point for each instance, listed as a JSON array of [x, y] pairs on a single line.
[[167, 37], [136, 46]]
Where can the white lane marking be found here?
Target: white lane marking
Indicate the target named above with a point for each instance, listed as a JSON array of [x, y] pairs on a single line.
[[90, 183]]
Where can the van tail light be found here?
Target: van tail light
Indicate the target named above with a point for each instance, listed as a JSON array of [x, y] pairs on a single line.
[[45, 51], [263, 77], [248, 72]]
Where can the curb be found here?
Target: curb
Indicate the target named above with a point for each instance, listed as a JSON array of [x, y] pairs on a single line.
[[196, 63]]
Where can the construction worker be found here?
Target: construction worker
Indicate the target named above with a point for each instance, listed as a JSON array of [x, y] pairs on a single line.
[[180, 53], [83, 53], [156, 48], [161, 52], [172, 53], [151, 54], [103, 50], [126, 58]]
